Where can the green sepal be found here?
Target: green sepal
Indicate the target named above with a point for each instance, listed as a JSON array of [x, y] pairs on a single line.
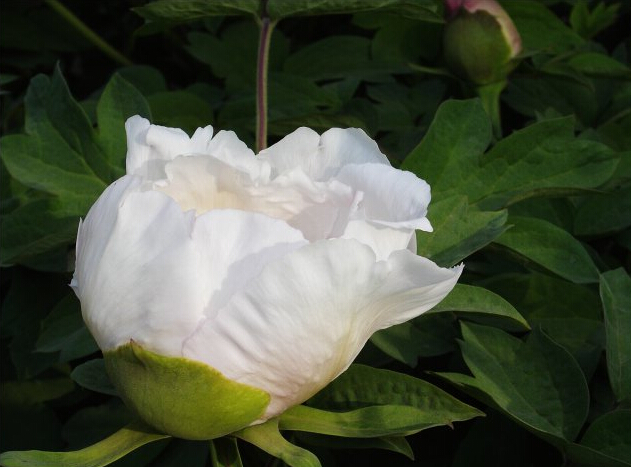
[[182, 397]]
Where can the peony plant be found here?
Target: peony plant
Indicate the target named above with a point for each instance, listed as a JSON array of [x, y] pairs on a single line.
[[224, 288]]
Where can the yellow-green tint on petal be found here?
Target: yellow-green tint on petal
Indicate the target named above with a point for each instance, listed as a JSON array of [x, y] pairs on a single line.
[[181, 397]]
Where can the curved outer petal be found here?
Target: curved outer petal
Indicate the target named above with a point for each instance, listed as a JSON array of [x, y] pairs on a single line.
[[394, 198], [321, 157], [302, 321], [155, 272]]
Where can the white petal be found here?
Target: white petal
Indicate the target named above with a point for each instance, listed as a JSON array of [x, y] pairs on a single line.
[[303, 320], [382, 239], [321, 157], [227, 147], [392, 197], [233, 247], [95, 230], [142, 285], [298, 149]]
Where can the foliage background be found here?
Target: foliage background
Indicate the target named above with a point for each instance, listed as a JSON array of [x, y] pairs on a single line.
[[537, 334]]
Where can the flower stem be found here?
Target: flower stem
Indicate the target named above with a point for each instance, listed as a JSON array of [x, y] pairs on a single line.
[[266, 26], [88, 33], [490, 96]]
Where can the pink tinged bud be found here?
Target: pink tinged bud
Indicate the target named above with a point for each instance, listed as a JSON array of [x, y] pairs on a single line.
[[480, 40]]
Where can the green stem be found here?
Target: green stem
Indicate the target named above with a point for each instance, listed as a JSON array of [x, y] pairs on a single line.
[[266, 26], [490, 96], [88, 33]]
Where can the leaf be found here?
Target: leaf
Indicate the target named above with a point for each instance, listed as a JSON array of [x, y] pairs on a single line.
[[93, 376], [396, 444], [426, 336], [335, 57], [531, 18], [119, 101], [615, 287], [170, 12], [224, 452], [180, 109], [604, 213], [459, 230], [424, 10], [33, 229], [362, 387], [25, 393], [549, 246], [568, 313], [100, 454], [449, 152], [537, 383], [64, 331], [587, 24], [610, 435], [267, 437], [482, 306]]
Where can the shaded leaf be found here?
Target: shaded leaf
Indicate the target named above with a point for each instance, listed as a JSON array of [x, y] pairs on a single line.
[[615, 287], [93, 376], [610, 435], [551, 247]]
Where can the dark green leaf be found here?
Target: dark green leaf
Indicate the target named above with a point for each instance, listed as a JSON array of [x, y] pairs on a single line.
[[425, 10], [537, 382], [550, 247], [615, 287], [459, 230], [93, 376], [119, 101], [610, 435], [483, 306], [224, 452], [64, 331]]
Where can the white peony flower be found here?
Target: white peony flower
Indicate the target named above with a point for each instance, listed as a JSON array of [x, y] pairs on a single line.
[[272, 270]]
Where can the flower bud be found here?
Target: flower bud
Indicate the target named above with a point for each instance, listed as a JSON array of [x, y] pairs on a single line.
[[480, 42]]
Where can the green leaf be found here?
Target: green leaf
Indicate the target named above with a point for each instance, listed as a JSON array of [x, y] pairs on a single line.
[[119, 101], [551, 247], [172, 12], [180, 109], [448, 154], [100, 454], [267, 437], [610, 435], [64, 331], [25, 393], [542, 159], [569, 313], [426, 336], [224, 452], [614, 292], [363, 387], [459, 230], [57, 120], [604, 213], [531, 18], [335, 57], [537, 383], [482, 306], [587, 24], [33, 229], [396, 444], [424, 10], [93, 376]]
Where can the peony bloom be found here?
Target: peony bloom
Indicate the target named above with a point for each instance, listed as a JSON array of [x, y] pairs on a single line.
[[480, 40], [261, 276]]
